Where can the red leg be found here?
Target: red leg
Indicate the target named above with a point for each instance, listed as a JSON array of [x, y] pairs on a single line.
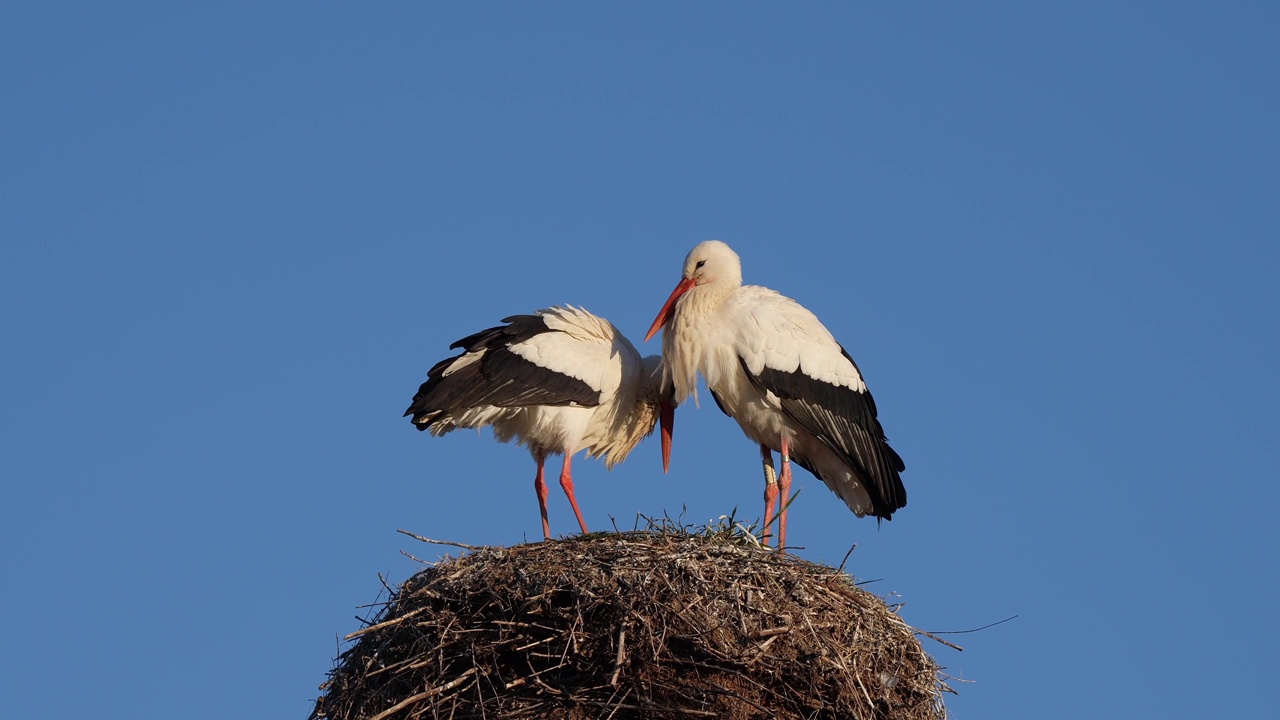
[[784, 489], [566, 482], [540, 487], [770, 493]]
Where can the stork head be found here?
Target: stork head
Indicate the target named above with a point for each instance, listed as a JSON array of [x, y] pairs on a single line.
[[710, 263]]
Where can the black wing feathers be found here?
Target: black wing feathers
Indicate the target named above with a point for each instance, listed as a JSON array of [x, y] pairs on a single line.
[[719, 403], [845, 421], [499, 378]]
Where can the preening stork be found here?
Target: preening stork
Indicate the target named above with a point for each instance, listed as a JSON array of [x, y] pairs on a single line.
[[772, 366], [559, 381]]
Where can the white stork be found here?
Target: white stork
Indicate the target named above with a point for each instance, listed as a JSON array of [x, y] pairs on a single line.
[[773, 367], [560, 380]]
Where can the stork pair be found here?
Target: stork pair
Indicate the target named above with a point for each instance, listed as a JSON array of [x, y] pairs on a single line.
[[563, 380]]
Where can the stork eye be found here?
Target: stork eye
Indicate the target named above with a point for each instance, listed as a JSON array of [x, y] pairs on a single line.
[[699, 265]]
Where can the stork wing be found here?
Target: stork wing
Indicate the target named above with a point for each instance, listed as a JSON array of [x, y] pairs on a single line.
[[844, 420], [519, 364], [817, 384]]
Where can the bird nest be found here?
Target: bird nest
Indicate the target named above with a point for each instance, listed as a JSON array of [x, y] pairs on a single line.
[[663, 623]]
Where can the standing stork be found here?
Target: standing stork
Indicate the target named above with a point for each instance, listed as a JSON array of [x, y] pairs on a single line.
[[559, 381], [773, 367]]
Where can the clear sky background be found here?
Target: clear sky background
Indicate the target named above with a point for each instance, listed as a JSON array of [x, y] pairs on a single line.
[[234, 238]]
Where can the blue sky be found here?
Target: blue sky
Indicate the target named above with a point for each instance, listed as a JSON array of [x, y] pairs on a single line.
[[234, 238]]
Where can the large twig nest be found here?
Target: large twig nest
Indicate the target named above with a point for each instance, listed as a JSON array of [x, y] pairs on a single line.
[[655, 624]]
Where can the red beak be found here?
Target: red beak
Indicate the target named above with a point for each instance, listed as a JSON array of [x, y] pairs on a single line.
[[667, 420], [664, 315]]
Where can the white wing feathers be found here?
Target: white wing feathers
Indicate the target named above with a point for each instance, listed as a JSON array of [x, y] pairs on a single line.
[[790, 338], [586, 347]]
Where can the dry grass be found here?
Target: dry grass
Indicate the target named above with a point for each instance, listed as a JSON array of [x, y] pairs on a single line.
[[655, 624]]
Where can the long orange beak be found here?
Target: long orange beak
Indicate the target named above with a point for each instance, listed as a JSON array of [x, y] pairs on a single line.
[[667, 421], [664, 315]]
